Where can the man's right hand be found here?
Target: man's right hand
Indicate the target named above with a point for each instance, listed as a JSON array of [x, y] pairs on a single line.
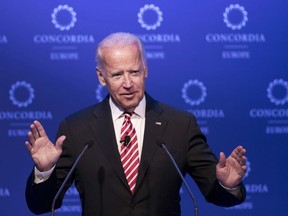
[[43, 152]]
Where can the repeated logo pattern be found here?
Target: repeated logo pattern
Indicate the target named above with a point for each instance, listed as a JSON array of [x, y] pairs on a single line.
[[62, 9], [186, 96], [17, 87], [272, 85], [155, 9], [227, 16]]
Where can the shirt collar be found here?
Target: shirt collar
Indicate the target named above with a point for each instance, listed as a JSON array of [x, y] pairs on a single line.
[[117, 112]]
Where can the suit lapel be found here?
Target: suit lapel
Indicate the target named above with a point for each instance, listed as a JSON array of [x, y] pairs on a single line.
[[154, 127], [103, 131]]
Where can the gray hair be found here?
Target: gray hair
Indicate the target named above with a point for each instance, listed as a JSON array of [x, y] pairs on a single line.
[[119, 39]]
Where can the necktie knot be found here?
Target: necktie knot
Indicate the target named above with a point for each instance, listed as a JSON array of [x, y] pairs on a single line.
[[127, 114], [127, 118]]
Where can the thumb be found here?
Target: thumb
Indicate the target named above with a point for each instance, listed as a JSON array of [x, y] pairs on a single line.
[[222, 160], [59, 142]]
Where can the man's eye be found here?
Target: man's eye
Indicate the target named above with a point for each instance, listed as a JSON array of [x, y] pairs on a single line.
[[135, 72], [116, 75]]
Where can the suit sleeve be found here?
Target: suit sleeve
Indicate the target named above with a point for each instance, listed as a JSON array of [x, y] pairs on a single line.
[[39, 197], [202, 168]]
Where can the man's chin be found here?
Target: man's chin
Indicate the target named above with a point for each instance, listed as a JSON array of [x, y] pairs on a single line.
[[128, 104], [129, 107]]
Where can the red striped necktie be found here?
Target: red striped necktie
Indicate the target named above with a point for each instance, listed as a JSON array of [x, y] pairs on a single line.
[[129, 151]]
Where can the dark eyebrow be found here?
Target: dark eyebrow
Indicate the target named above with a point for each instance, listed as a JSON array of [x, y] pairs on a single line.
[[116, 72], [134, 70]]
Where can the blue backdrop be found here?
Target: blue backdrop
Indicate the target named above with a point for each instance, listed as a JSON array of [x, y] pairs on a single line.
[[225, 61]]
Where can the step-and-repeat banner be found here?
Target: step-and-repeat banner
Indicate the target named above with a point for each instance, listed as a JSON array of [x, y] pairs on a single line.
[[225, 61]]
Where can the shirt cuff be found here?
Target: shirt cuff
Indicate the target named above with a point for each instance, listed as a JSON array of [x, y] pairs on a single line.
[[42, 176], [236, 191], [229, 189]]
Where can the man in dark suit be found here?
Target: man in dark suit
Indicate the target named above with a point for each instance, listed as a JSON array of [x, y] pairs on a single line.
[[101, 175]]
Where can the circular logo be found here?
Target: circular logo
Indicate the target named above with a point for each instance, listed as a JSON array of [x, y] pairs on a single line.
[[150, 8], [61, 12], [271, 91], [230, 12], [194, 83], [100, 93], [21, 88]]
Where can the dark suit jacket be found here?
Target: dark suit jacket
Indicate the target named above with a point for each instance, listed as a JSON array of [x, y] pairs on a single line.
[[99, 176]]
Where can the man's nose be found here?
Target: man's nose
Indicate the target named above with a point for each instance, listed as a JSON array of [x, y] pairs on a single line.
[[127, 80]]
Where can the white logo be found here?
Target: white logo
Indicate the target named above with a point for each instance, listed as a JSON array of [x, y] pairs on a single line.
[[62, 10], [17, 86], [271, 96], [145, 9], [196, 101], [100, 93], [227, 16]]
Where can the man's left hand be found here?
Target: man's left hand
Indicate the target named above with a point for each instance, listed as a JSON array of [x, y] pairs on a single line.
[[230, 171]]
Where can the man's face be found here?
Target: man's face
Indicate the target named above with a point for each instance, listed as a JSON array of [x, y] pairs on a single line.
[[124, 76]]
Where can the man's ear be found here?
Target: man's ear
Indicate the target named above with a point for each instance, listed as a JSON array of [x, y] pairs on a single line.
[[100, 77]]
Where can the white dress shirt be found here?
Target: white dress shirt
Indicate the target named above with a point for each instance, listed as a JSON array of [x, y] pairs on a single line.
[[137, 119]]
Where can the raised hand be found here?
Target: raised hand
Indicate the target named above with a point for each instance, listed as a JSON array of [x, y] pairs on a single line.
[[43, 152], [230, 171]]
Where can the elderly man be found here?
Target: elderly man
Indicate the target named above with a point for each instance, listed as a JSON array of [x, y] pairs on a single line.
[[125, 172]]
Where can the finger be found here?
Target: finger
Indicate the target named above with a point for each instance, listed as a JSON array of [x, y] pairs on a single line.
[[240, 156], [245, 168], [222, 160], [237, 150], [242, 161], [40, 128], [238, 153], [242, 152], [34, 131], [31, 138], [59, 142], [28, 146]]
